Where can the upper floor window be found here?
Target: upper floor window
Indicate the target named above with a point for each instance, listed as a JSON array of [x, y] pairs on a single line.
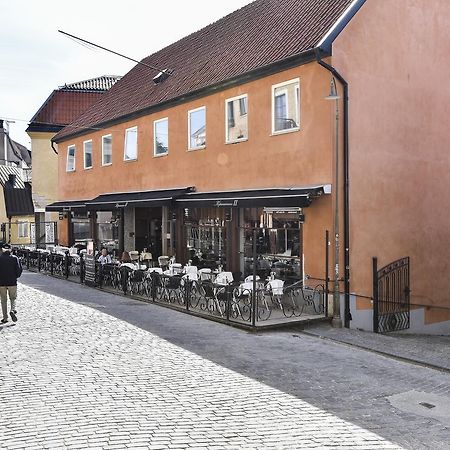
[[286, 106], [130, 149], [161, 137], [236, 119], [197, 128], [87, 151], [70, 165], [106, 150]]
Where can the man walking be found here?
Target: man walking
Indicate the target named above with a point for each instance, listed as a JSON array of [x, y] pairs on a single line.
[[10, 270]]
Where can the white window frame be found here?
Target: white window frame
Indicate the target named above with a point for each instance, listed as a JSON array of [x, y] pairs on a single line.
[[189, 128], [67, 160], [233, 99], [103, 150], [157, 155], [21, 227], [84, 154], [135, 128], [297, 89]]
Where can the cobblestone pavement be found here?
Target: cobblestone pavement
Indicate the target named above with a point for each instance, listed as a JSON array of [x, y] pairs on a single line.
[[103, 371], [423, 349]]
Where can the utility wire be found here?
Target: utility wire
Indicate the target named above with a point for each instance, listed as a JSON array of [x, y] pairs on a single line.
[[165, 71]]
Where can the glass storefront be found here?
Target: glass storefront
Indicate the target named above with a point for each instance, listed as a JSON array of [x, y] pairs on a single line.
[[108, 231], [206, 237], [277, 236], [80, 228]]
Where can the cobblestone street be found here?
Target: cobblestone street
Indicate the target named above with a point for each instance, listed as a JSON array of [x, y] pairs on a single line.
[[87, 369]]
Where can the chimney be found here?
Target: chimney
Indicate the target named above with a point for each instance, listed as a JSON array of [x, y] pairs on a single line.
[[12, 179]]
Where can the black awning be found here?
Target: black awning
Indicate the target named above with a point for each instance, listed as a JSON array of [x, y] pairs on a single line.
[[18, 202], [67, 205], [299, 197], [163, 197]]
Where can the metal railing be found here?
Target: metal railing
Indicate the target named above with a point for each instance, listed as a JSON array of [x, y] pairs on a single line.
[[259, 304]]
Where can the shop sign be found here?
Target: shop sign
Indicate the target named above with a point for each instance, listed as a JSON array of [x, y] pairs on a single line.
[[221, 203], [89, 265]]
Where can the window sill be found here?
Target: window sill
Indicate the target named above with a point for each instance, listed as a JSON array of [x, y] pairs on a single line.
[[88, 168], [106, 165], [70, 171], [130, 160], [289, 130], [237, 141], [193, 149]]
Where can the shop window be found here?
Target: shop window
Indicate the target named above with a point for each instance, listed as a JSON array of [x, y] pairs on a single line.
[[277, 236], [161, 137], [108, 231], [286, 106], [130, 149], [70, 165], [236, 119], [197, 128], [206, 237], [81, 228]]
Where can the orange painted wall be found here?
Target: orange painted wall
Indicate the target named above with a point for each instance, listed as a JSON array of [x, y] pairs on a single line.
[[394, 54], [292, 159]]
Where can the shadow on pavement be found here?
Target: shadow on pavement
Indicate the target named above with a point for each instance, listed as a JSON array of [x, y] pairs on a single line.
[[345, 381]]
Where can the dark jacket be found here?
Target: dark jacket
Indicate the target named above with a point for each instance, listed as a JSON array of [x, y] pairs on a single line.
[[10, 269]]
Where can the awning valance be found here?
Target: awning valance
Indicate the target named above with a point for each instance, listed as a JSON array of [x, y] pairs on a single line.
[[163, 197], [290, 197], [67, 205], [18, 202]]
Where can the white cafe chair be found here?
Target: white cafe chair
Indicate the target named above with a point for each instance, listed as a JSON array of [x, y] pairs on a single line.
[[205, 274], [191, 273], [224, 278]]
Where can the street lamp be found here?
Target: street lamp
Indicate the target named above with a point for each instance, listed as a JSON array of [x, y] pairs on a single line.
[[336, 321]]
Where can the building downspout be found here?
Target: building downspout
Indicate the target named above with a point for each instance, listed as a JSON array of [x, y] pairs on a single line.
[[53, 147], [337, 75]]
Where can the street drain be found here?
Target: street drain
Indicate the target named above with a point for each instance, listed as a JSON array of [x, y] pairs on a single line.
[[427, 405]]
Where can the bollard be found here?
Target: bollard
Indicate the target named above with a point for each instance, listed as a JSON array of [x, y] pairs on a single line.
[[66, 264]]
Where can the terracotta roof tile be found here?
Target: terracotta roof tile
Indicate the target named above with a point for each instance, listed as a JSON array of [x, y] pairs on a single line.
[[257, 35], [68, 102]]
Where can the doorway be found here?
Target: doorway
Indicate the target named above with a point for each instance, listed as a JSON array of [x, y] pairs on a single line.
[[148, 230]]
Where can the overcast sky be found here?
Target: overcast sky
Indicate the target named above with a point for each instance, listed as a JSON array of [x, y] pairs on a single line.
[[35, 59]]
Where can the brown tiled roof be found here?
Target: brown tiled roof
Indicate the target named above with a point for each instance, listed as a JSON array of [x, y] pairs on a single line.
[[66, 103], [260, 34]]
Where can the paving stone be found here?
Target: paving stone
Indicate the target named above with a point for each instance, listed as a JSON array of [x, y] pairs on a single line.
[[155, 378]]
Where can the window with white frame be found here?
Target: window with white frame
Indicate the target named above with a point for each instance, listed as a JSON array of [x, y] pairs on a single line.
[[197, 128], [236, 119], [106, 150], [87, 152], [22, 229], [130, 148], [286, 106], [70, 165], [161, 137]]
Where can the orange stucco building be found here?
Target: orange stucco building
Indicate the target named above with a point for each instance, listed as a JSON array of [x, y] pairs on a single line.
[[235, 151]]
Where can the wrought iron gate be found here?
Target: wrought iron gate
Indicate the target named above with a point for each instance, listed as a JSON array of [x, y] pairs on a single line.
[[391, 302]]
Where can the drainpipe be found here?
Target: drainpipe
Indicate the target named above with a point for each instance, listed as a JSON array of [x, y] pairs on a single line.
[[53, 147], [338, 76]]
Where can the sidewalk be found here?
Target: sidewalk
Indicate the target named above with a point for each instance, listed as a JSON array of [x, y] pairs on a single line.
[[427, 350]]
